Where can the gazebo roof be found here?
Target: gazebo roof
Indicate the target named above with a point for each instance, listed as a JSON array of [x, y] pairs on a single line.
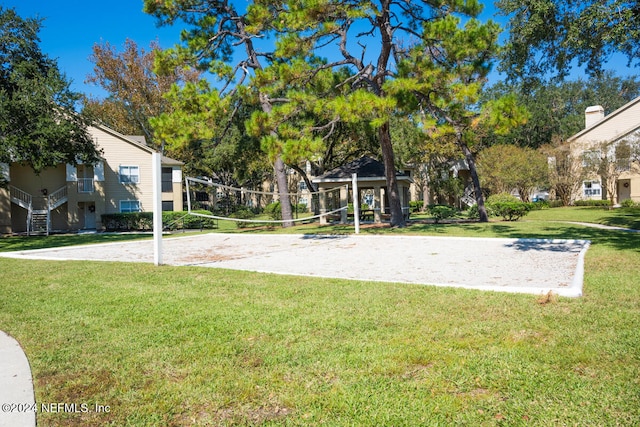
[[367, 169]]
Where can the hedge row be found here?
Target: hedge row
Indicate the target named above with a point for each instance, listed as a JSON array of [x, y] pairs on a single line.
[[143, 221], [596, 203]]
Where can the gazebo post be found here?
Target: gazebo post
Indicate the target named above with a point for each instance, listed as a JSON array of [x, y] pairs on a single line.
[[356, 203], [377, 214], [404, 204], [344, 201], [323, 208]]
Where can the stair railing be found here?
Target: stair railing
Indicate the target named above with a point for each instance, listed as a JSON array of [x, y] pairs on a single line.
[[57, 198], [21, 198], [468, 197]]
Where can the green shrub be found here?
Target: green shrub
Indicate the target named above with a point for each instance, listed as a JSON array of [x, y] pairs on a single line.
[[274, 211], [132, 221], [501, 198], [181, 220], [508, 206], [440, 212], [627, 203], [593, 203], [242, 212], [300, 208], [511, 211], [556, 204], [191, 221], [416, 205], [539, 205], [474, 213], [143, 221]]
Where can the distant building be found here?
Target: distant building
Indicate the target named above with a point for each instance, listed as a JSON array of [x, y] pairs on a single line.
[[613, 139], [70, 198]]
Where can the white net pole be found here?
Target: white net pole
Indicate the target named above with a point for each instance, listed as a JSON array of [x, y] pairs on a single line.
[[356, 203], [186, 182], [156, 173]]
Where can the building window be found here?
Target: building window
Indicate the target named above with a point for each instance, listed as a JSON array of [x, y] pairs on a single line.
[[591, 188], [167, 206], [129, 174], [127, 206], [167, 180], [303, 185]]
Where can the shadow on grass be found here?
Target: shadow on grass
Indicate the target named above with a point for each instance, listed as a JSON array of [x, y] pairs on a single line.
[[625, 218], [615, 239]]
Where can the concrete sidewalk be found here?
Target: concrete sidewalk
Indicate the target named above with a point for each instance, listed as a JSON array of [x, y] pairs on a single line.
[[17, 399]]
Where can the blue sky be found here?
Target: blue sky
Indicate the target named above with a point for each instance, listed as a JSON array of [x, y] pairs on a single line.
[[72, 27]]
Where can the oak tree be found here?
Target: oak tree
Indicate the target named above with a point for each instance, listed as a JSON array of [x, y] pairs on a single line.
[[548, 37], [38, 123], [135, 91]]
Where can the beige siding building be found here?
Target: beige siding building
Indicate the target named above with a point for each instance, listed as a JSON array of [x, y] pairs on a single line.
[[73, 197], [611, 144]]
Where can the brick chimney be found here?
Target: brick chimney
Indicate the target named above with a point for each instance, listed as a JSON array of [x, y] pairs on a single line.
[[593, 115]]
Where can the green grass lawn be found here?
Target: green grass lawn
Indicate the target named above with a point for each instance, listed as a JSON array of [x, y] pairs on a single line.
[[174, 346]]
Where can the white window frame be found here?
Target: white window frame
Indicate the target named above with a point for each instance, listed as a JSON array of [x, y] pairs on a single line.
[[591, 188], [127, 176], [130, 204]]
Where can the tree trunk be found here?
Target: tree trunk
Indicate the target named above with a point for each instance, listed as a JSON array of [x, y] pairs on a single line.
[[395, 207], [281, 176], [425, 187], [283, 192], [310, 185], [482, 210]]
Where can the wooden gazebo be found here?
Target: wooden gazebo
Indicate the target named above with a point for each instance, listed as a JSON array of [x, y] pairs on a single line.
[[372, 187]]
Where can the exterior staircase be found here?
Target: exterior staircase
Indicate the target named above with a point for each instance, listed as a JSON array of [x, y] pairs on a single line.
[[38, 220], [469, 197]]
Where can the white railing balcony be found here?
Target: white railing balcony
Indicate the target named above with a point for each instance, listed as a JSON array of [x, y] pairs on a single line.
[[85, 185]]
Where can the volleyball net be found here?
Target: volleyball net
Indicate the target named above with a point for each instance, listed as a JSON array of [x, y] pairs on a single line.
[[245, 206]]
